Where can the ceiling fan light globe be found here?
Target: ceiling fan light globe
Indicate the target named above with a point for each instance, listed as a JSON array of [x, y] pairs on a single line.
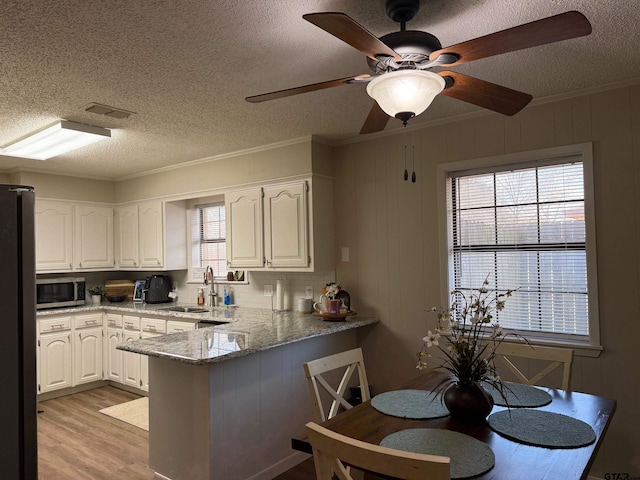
[[405, 91]]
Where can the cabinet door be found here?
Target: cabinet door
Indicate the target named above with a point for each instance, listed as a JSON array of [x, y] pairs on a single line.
[[244, 228], [127, 237], [87, 355], [113, 357], [54, 236], [130, 362], [94, 237], [55, 361], [286, 225], [151, 234], [144, 363]]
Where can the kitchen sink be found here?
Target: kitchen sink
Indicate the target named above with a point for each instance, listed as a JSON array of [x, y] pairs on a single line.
[[186, 309]]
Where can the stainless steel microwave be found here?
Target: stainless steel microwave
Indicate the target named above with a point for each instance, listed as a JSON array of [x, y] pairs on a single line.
[[60, 292]]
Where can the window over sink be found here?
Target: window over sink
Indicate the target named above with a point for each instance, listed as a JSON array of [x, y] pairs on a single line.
[[208, 233]]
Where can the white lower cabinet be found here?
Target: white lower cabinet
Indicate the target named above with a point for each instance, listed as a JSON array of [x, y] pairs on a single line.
[[151, 327], [130, 361], [73, 350], [55, 361], [113, 357], [87, 355]]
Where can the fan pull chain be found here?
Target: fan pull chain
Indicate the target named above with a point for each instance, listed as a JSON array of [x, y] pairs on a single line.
[[406, 172], [413, 168]]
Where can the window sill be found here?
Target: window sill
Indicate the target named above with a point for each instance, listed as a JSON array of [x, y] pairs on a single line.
[[579, 349], [220, 282]]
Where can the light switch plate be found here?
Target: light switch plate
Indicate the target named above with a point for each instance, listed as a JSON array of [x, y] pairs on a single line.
[[308, 292], [268, 290]]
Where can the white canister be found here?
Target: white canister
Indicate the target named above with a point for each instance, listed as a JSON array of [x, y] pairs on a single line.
[[305, 305]]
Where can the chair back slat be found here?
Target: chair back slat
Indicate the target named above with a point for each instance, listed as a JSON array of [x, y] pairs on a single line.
[[331, 451], [558, 358], [352, 362]]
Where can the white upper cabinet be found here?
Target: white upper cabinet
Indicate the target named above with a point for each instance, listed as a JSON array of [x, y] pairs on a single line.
[[245, 248], [94, 237], [151, 236], [286, 226], [127, 251], [286, 241], [54, 236]]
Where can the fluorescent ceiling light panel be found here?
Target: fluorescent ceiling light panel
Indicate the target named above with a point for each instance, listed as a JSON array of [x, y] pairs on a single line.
[[61, 137]]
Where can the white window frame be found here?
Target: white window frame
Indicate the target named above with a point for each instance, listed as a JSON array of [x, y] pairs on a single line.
[[548, 156], [196, 274]]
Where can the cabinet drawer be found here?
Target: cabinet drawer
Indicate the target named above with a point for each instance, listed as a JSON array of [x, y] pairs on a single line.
[[129, 322], [114, 320], [55, 324], [153, 325], [89, 320], [175, 326]]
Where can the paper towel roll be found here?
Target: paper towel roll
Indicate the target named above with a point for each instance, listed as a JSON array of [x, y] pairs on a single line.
[[279, 295]]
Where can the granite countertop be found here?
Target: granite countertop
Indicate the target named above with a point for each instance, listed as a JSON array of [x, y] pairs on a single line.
[[137, 308], [246, 331], [250, 330]]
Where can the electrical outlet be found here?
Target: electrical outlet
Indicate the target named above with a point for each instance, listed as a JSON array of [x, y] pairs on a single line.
[[308, 292], [268, 290]]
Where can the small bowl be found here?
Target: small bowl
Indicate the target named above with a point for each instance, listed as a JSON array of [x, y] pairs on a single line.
[[116, 298]]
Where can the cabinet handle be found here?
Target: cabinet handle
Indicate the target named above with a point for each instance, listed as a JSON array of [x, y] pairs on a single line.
[[178, 330]]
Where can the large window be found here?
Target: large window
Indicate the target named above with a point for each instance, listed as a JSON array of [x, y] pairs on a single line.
[[526, 226], [208, 240]]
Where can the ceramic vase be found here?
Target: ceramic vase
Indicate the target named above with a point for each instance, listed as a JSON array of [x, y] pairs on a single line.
[[468, 403]]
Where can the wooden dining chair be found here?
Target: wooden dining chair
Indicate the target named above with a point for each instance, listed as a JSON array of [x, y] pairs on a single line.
[[317, 372], [332, 451], [556, 357]]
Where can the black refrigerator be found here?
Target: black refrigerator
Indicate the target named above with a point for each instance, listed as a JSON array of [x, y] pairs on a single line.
[[18, 395]]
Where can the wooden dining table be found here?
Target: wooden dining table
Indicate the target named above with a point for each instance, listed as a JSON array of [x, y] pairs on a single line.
[[513, 460]]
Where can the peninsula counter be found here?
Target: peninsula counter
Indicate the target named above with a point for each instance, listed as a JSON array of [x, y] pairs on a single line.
[[224, 401]]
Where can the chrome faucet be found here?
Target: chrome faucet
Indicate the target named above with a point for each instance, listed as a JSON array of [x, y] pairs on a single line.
[[210, 279]]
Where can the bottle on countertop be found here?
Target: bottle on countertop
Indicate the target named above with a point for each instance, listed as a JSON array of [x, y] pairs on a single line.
[[227, 297], [200, 296]]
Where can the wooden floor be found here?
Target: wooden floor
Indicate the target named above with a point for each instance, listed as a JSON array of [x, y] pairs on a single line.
[[76, 441]]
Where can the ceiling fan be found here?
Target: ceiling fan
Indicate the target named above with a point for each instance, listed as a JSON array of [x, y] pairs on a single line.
[[401, 82]]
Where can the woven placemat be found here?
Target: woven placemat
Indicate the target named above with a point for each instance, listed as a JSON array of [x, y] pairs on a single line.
[[410, 404], [518, 395], [542, 429], [468, 455]]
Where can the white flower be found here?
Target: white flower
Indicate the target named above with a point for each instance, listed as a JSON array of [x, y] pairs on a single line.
[[431, 339]]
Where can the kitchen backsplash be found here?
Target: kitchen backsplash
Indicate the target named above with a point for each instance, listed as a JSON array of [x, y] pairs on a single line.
[[249, 294], [252, 294]]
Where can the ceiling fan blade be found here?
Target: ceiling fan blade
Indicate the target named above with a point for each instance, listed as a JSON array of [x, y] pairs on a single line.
[[484, 94], [547, 30], [348, 30], [376, 120], [304, 89]]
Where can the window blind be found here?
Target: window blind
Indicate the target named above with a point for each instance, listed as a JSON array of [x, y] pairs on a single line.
[[210, 239], [524, 230]]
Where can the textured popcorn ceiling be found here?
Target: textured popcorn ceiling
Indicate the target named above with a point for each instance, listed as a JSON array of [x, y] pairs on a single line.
[[185, 66]]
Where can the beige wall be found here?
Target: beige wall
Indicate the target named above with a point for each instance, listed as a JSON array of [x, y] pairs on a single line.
[[394, 268], [68, 188], [249, 167]]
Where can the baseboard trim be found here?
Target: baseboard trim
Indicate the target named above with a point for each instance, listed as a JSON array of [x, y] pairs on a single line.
[[280, 467]]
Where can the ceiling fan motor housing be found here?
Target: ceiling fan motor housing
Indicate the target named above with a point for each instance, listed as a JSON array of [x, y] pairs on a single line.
[[413, 46]]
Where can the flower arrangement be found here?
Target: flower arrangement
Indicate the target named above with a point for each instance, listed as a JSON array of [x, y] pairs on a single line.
[[331, 290], [468, 336]]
